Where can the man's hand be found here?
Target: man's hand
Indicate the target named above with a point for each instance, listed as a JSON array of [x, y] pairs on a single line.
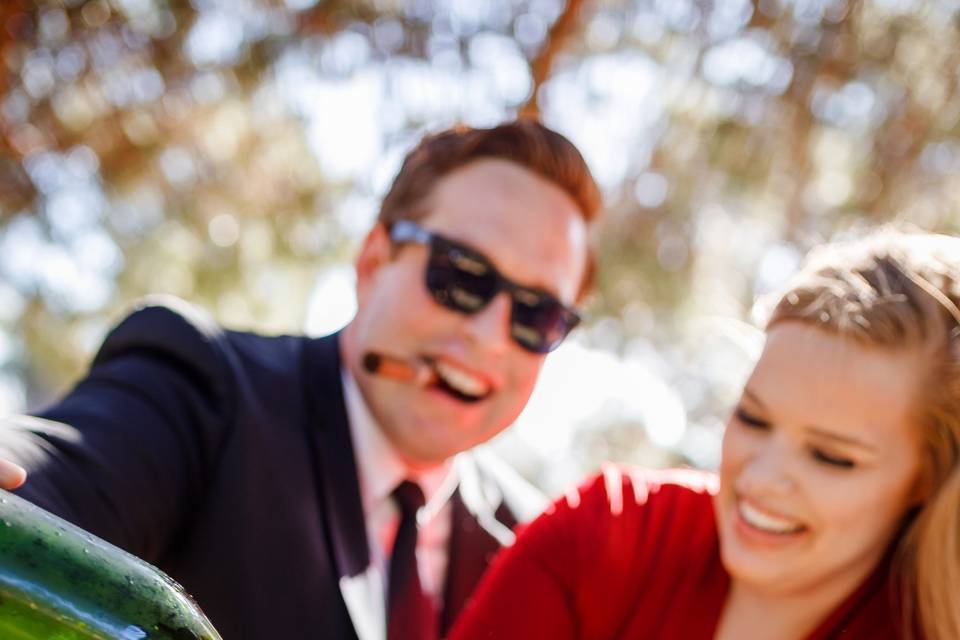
[[11, 475]]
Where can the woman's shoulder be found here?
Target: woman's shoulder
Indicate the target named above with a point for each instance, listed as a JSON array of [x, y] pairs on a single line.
[[634, 542], [624, 548], [632, 512], [619, 489], [628, 512]]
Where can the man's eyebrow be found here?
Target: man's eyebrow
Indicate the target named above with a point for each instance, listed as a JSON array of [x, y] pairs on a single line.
[[475, 263], [479, 263]]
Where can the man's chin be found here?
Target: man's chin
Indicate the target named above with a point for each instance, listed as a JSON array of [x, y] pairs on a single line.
[[424, 460]]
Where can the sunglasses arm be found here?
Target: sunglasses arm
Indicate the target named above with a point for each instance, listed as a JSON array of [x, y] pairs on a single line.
[[407, 231]]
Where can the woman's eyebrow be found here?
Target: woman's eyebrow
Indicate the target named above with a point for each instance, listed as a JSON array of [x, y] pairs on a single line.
[[753, 397], [841, 438], [818, 431]]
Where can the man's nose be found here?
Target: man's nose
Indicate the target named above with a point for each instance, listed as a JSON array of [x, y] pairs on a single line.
[[489, 328]]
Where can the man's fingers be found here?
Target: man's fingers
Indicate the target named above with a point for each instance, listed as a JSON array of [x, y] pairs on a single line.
[[11, 475]]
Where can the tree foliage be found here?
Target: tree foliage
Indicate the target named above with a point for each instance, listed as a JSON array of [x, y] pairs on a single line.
[[228, 151]]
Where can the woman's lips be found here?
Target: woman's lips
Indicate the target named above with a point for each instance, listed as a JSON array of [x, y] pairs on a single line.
[[759, 525]]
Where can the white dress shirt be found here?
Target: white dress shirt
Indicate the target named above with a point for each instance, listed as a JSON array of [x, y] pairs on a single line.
[[379, 471]]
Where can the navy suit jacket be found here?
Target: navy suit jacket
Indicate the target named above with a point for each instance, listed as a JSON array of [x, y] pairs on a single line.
[[225, 459]]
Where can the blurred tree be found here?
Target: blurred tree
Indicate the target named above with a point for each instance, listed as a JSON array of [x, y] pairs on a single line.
[[155, 146], [227, 151]]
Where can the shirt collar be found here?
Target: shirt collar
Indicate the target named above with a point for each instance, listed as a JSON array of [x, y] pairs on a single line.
[[379, 468]]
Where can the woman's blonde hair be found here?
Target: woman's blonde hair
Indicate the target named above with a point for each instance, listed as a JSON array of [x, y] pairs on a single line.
[[902, 290]]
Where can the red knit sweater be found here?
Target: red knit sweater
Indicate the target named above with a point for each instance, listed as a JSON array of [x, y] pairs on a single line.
[[634, 554]]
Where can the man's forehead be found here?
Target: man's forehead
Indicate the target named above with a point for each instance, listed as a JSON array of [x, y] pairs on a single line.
[[507, 176], [480, 184]]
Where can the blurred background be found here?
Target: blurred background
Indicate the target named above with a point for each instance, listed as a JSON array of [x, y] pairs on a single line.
[[233, 153]]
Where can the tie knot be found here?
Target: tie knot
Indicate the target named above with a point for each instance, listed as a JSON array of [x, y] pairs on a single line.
[[409, 497]]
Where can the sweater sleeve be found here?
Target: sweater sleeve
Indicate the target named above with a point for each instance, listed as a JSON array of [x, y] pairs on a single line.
[[127, 452], [528, 590], [573, 572]]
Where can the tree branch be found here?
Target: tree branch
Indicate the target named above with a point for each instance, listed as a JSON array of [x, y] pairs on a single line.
[[541, 66]]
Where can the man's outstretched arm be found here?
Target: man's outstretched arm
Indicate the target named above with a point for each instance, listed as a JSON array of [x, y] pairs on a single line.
[[127, 453]]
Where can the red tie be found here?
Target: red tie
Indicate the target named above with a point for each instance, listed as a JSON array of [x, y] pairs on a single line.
[[411, 614]]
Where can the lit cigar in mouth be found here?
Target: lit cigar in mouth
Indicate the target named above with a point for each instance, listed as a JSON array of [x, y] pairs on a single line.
[[414, 372]]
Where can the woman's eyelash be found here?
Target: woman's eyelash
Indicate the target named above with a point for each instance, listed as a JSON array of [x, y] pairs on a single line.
[[843, 463], [750, 420], [818, 454]]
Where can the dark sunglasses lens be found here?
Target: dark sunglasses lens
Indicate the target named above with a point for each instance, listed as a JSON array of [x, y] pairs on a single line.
[[459, 280], [464, 281], [542, 326]]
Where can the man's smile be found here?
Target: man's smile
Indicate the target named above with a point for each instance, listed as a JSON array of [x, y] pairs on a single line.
[[460, 383]]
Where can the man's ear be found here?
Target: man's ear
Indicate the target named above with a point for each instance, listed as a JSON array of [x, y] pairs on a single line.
[[374, 253]]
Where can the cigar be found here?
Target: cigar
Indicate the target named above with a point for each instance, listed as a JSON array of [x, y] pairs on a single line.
[[418, 373]]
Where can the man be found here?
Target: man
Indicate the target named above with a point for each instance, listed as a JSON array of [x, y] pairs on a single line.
[[308, 487]]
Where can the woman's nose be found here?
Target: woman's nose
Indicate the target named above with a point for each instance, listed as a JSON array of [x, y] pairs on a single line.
[[768, 471]]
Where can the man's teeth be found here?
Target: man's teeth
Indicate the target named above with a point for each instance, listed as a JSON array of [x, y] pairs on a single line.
[[766, 522], [460, 380]]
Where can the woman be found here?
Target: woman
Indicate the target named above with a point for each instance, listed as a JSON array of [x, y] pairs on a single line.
[[836, 512]]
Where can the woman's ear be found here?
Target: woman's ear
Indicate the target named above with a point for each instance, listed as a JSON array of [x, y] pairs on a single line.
[[921, 490], [374, 253]]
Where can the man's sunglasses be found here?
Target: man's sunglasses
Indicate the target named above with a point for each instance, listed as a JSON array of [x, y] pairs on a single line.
[[464, 280]]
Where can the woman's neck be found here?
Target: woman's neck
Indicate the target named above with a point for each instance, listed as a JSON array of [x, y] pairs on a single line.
[[781, 616]]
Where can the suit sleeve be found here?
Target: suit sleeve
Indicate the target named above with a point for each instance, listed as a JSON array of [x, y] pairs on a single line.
[[128, 452]]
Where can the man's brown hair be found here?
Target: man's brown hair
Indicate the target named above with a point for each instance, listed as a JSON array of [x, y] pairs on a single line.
[[524, 142]]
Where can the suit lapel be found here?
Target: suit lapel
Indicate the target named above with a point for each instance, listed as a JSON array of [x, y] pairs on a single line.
[[360, 583], [481, 525], [471, 549]]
